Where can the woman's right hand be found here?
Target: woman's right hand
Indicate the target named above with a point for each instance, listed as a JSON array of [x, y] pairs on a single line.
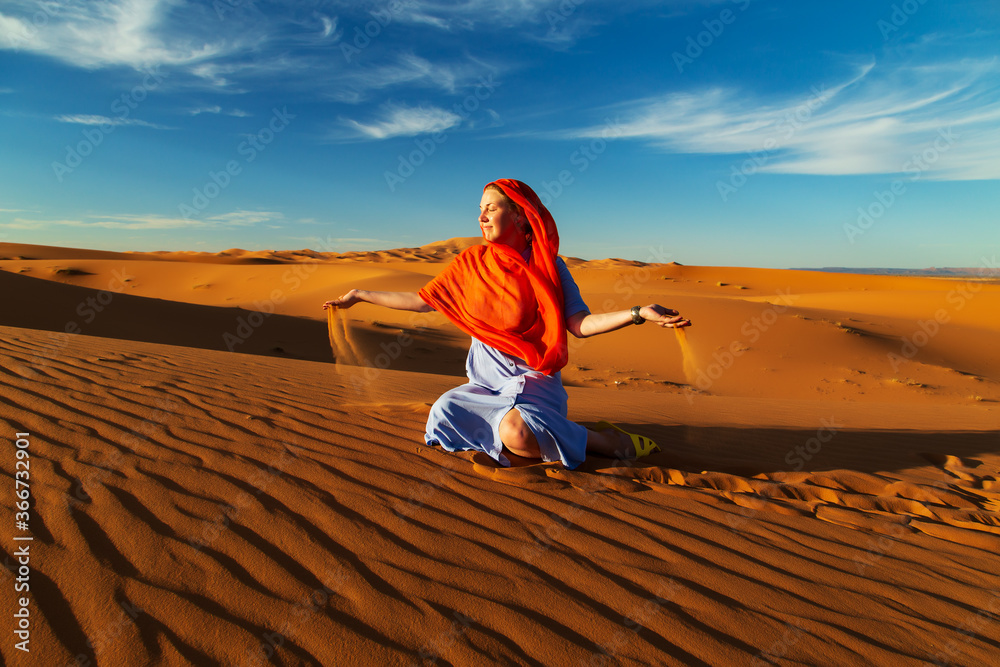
[[345, 301]]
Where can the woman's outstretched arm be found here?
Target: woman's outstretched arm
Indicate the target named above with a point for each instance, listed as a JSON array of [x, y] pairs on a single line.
[[584, 324], [396, 300]]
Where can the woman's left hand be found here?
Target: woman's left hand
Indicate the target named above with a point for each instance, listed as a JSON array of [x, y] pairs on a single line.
[[665, 317]]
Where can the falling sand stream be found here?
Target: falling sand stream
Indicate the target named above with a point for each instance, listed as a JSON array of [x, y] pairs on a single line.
[[341, 341], [690, 365]]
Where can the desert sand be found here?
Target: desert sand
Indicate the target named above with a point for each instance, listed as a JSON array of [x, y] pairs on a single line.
[[211, 485]]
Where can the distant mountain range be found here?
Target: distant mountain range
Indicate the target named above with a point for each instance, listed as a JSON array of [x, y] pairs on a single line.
[[946, 272]]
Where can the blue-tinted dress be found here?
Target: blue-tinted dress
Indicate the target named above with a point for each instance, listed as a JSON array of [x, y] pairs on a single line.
[[468, 417]]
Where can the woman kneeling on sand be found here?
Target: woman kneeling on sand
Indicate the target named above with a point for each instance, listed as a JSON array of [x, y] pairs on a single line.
[[517, 299]]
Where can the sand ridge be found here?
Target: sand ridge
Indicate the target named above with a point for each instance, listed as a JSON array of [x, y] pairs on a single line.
[[196, 505]]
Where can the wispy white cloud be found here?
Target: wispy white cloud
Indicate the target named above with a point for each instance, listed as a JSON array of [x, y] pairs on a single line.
[[216, 109], [563, 35], [232, 219], [329, 26], [556, 23], [358, 83], [880, 121], [474, 14], [236, 75], [241, 218], [416, 16], [102, 33], [198, 44], [91, 119], [404, 121], [218, 74], [454, 16], [243, 47], [232, 47]]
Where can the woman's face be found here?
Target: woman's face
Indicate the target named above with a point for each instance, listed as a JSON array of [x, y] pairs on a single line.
[[498, 221]]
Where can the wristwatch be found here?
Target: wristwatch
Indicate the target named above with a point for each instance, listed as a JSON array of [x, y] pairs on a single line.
[[636, 317]]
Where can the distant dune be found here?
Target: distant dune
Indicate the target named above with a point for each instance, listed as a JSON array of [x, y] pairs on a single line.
[[981, 272], [212, 486]]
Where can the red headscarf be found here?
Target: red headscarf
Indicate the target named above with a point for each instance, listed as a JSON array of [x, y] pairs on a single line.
[[492, 294]]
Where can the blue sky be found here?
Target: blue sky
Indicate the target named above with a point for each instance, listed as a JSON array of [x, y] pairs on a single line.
[[730, 132]]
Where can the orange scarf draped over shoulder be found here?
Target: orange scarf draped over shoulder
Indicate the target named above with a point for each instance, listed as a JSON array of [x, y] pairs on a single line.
[[493, 295]]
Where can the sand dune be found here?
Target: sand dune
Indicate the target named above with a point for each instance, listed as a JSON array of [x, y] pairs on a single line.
[[818, 501]]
